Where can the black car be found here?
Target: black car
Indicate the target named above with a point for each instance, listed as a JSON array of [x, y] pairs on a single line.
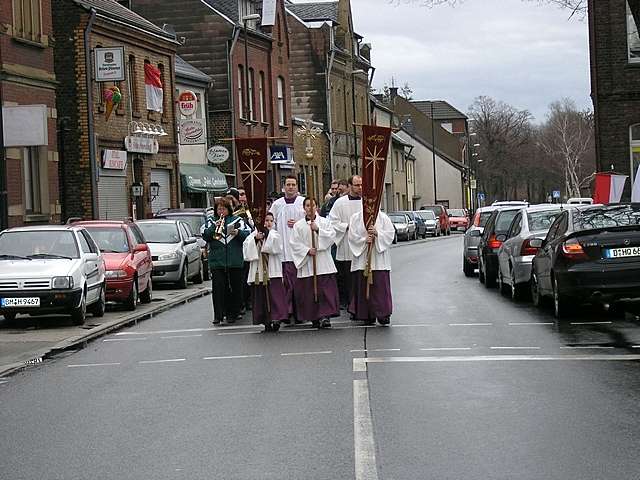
[[196, 218], [421, 227], [495, 232], [591, 255]]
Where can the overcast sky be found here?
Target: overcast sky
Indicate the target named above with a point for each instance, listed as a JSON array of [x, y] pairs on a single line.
[[517, 51]]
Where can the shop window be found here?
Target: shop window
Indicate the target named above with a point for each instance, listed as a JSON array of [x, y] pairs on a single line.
[[27, 20]]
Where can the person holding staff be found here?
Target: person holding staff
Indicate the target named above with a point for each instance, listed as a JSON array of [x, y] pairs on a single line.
[[263, 253], [317, 298]]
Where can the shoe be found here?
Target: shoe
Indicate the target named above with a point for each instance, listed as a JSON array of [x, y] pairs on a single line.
[[276, 326], [231, 320], [216, 321], [384, 321], [268, 327], [298, 322], [315, 324], [325, 323], [370, 321]]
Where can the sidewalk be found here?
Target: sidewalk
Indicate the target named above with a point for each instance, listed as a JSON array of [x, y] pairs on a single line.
[[44, 336]]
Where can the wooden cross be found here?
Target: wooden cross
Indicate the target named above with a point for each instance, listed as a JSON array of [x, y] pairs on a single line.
[[373, 158], [309, 132], [251, 173]]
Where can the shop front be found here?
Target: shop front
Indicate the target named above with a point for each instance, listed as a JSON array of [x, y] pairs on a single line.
[[200, 184]]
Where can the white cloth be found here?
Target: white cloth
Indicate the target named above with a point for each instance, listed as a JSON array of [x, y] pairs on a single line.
[[301, 243], [339, 216], [381, 254], [282, 212], [272, 245], [635, 193]]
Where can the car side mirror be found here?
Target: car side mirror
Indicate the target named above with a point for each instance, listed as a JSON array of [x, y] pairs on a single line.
[[92, 257], [475, 233], [141, 247], [501, 238], [536, 242], [190, 241]]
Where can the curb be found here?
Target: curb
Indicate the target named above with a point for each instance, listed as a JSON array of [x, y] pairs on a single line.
[[82, 340], [424, 240]]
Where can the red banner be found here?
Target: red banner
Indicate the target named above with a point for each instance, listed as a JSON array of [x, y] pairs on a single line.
[[374, 165], [252, 175]]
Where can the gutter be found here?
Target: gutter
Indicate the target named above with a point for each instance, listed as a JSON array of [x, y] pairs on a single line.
[[328, 99], [230, 73], [92, 140]]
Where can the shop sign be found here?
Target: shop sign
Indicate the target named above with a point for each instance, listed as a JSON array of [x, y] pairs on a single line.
[[192, 132], [136, 144], [217, 154], [281, 155], [114, 159], [187, 103], [109, 64]]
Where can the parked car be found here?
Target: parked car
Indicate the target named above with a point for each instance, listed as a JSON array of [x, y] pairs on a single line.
[[510, 203], [405, 227], [591, 254], [421, 228], [127, 259], [431, 222], [174, 251], [497, 226], [441, 213], [517, 252], [458, 219], [580, 201], [472, 239], [196, 218], [51, 269]]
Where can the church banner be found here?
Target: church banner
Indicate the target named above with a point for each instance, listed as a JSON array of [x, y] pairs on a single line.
[[374, 165], [252, 172]]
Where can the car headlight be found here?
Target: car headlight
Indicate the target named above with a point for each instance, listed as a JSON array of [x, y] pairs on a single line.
[[115, 274], [62, 282], [168, 256]]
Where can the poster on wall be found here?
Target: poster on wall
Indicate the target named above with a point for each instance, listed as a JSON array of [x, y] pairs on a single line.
[[109, 63], [192, 132]]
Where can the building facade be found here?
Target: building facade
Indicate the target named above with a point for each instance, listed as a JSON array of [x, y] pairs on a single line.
[[105, 52], [615, 85], [311, 147], [29, 147]]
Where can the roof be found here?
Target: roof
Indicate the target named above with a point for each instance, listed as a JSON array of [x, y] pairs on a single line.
[[315, 11], [116, 11], [186, 70], [228, 8], [30, 228], [441, 109]]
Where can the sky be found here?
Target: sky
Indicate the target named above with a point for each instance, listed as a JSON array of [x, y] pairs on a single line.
[[517, 51]]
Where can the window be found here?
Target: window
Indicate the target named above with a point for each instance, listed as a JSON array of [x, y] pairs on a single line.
[[133, 94], [633, 39], [32, 180], [241, 91], [516, 226], [634, 134], [84, 245], [251, 97], [281, 104], [248, 7], [448, 126], [261, 97], [164, 82], [27, 20]]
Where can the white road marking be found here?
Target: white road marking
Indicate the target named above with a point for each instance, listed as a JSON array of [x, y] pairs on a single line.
[[376, 350], [124, 339], [591, 323], [293, 354], [586, 347], [92, 365], [364, 444], [413, 325], [503, 358], [514, 348], [518, 324], [181, 336], [470, 324], [170, 360], [191, 330], [2, 382], [445, 349], [232, 357], [239, 333], [359, 365]]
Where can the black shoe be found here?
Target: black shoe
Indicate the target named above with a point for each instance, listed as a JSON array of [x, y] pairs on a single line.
[[370, 321], [216, 321], [325, 323], [384, 321], [231, 320], [315, 324], [276, 326], [268, 327]]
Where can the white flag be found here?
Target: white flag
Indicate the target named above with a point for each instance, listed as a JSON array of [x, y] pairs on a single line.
[[617, 187], [635, 192]]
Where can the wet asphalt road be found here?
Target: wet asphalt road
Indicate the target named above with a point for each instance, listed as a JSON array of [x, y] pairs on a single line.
[[464, 385]]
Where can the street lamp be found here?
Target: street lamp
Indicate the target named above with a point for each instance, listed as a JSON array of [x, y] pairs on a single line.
[[245, 19], [353, 104]]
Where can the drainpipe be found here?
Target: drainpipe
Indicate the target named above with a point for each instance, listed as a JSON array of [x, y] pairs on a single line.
[[328, 95], [92, 141], [4, 195], [230, 73]]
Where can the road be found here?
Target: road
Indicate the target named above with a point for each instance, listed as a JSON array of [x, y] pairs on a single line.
[[464, 385]]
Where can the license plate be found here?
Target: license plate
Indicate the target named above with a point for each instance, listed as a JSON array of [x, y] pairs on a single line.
[[461, 228], [20, 302], [622, 252]]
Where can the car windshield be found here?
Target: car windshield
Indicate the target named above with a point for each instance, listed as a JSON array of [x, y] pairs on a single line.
[[110, 240], [398, 218], [436, 210], [427, 215], [40, 243], [160, 232], [504, 220], [603, 217], [457, 213], [541, 221], [195, 221]]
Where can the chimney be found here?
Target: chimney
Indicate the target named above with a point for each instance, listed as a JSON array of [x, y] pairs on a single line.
[[393, 92]]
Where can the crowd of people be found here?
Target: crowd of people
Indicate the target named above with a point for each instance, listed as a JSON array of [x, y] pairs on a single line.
[[305, 263]]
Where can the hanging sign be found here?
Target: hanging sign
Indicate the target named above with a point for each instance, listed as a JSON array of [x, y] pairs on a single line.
[[138, 144], [217, 154], [192, 131], [114, 159], [187, 103]]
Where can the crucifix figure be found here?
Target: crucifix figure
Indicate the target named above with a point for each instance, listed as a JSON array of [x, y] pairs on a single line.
[[251, 173], [373, 158], [309, 132]]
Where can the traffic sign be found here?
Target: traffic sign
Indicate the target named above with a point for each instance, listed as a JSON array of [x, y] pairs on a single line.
[[556, 194]]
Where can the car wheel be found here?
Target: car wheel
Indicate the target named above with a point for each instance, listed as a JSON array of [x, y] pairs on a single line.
[[132, 301], [481, 277], [147, 295], [517, 291], [503, 288], [198, 278], [205, 270], [183, 282], [395, 237], [536, 296], [616, 310], [79, 314], [467, 268], [98, 308], [560, 302], [489, 280]]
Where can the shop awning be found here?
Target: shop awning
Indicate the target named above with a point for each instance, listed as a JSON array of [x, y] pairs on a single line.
[[202, 179]]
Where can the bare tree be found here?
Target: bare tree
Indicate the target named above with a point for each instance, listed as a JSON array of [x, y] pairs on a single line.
[[568, 137]]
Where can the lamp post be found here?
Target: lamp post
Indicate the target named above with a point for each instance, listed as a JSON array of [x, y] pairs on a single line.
[[245, 19], [353, 104], [433, 151]]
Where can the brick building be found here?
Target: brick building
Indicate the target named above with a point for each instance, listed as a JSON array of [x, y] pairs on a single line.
[[330, 79], [250, 96], [28, 99], [615, 84], [135, 144]]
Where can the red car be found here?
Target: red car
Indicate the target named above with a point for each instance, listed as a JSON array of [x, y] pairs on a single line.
[[127, 259], [458, 219]]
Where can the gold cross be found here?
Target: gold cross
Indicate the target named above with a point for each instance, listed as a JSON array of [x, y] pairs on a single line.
[[308, 132], [374, 158], [251, 173]]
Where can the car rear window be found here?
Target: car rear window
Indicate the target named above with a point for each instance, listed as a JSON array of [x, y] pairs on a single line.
[[603, 217], [541, 221], [160, 232], [427, 215], [195, 221], [437, 210], [457, 213], [503, 222], [110, 240], [398, 218]]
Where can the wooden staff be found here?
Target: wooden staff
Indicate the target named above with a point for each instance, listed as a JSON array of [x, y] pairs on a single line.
[[368, 273], [264, 263], [315, 264]]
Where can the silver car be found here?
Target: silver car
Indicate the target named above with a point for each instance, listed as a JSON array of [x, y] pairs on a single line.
[[51, 269], [472, 239], [405, 227], [175, 252], [517, 252], [431, 222]]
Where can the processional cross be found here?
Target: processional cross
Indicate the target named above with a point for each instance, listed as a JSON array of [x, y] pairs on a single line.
[[309, 132], [251, 173], [373, 158]]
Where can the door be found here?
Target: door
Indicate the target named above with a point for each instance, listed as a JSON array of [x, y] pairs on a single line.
[[143, 259], [192, 250], [91, 267], [113, 198], [163, 200]]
